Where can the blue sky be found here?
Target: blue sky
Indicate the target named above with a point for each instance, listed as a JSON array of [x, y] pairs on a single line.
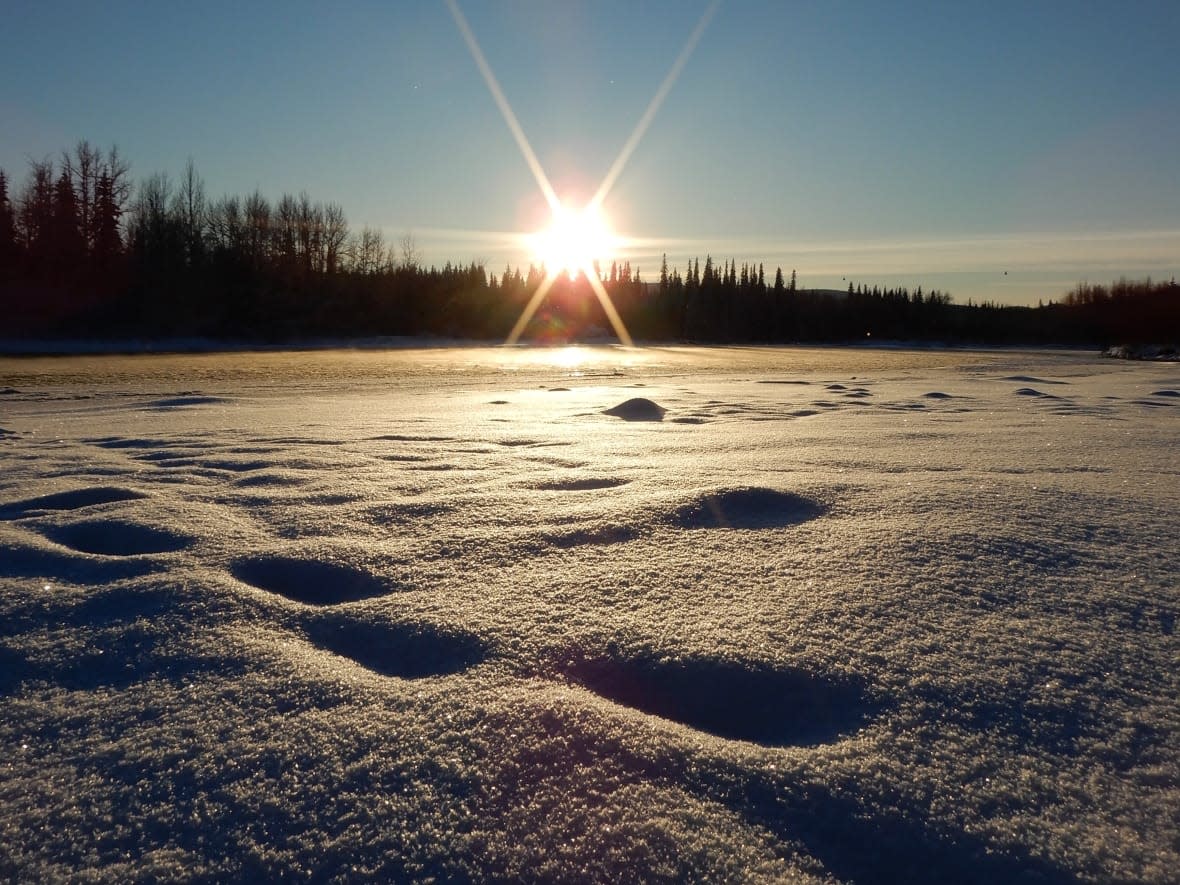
[[908, 143]]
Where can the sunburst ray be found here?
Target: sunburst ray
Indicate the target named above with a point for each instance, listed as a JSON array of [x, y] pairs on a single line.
[[612, 175]]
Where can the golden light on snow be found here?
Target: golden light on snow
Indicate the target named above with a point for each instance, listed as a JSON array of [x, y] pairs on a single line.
[[568, 357]]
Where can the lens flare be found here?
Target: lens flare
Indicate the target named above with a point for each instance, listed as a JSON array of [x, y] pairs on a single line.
[[575, 238]]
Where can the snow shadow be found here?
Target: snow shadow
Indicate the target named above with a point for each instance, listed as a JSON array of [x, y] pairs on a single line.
[[579, 484], [113, 638], [120, 442], [113, 538], [746, 508], [116, 605], [1051, 721], [1032, 391], [775, 707], [75, 499], [13, 670], [129, 654], [181, 402], [27, 561], [310, 581], [1030, 379], [406, 651], [602, 535], [874, 846]]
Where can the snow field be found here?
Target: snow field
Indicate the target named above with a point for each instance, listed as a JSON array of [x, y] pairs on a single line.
[[728, 614]]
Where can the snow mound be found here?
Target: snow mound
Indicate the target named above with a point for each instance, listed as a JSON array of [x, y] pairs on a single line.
[[310, 581], [406, 651], [731, 699], [637, 409], [116, 538], [1029, 391], [746, 508], [75, 499]]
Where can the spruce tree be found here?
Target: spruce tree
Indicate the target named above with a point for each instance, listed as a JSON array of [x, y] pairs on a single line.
[[7, 229], [67, 248]]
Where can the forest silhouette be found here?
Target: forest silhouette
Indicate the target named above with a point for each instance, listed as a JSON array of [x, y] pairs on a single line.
[[85, 252]]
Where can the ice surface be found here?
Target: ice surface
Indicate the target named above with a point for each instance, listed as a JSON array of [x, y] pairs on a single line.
[[853, 615]]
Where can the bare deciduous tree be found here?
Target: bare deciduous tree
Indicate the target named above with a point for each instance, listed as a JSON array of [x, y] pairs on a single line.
[[188, 207], [410, 258], [335, 235]]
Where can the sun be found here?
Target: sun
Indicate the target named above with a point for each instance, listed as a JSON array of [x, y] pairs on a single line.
[[574, 240]]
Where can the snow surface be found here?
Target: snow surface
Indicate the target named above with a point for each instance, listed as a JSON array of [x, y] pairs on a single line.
[[855, 615]]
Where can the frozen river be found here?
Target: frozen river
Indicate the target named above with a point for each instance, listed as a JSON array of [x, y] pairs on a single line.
[[743, 614]]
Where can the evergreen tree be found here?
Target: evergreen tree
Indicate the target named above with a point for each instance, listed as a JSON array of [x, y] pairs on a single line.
[[7, 230], [107, 213], [35, 214], [66, 246]]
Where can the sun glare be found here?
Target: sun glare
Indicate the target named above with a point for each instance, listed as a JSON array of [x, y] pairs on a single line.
[[574, 240]]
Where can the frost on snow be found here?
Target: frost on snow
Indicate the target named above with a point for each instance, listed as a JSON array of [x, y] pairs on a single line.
[[805, 615]]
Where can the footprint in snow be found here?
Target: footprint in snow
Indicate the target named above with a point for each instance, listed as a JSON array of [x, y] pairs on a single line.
[[75, 499], [745, 508], [117, 538], [310, 581], [579, 484], [405, 651], [772, 706]]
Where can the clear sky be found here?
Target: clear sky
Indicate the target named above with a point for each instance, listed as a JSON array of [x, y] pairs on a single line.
[[1000, 150]]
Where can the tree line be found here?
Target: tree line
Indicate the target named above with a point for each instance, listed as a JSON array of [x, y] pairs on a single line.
[[87, 252]]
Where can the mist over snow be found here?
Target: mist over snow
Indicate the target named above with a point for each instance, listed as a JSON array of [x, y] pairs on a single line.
[[592, 614]]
